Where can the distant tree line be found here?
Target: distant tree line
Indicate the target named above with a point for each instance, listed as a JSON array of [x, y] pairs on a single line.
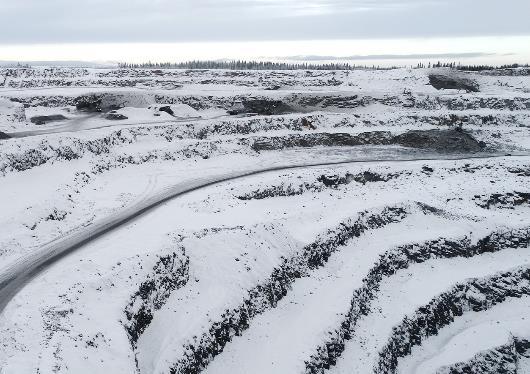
[[454, 65], [264, 65], [248, 65], [267, 65], [18, 65], [451, 65], [486, 67]]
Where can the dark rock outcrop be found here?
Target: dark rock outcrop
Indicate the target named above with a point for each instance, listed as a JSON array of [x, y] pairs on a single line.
[[436, 140], [170, 273], [308, 124], [445, 82], [202, 349], [105, 102], [113, 116], [476, 295], [3, 135], [261, 107], [363, 178], [319, 101], [440, 140], [280, 190], [41, 120], [334, 180], [499, 360], [89, 103], [389, 263], [322, 139], [322, 182], [167, 109], [503, 201]]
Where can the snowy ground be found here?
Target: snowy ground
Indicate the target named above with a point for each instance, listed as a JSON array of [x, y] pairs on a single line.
[[183, 239]]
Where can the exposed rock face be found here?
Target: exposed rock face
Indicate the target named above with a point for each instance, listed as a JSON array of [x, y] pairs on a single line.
[[169, 273], [475, 295], [500, 360], [202, 349], [105, 102], [437, 140], [330, 101], [389, 263], [41, 120], [363, 178], [440, 140], [326, 139], [90, 103], [322, 182], [261, 107], [446, 82], [503, 201], [3, 135]]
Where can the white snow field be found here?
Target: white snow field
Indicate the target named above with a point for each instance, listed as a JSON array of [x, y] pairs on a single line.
[[264, 222]]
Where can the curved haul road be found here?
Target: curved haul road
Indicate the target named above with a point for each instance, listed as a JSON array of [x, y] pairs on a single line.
[[14, 277], [79, 124]]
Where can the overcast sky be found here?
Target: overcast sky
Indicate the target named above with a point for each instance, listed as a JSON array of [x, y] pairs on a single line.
[[51, 21], [30, 22]]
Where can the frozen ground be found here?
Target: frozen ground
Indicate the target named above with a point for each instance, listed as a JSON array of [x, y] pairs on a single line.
[[170, 221]]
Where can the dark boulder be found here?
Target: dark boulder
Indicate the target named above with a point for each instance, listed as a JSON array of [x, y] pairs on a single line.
[[456, 140], [41, 120], [329, 180], [370, 177], [333, 180], [113, 116], [167, 109], [308, 124], [445, 82]]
